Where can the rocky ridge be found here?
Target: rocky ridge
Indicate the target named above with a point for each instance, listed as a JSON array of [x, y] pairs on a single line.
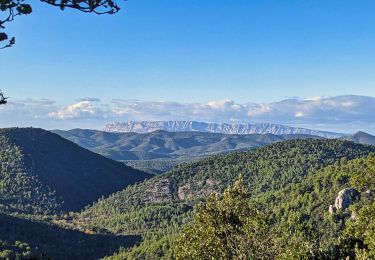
[[226, 128]]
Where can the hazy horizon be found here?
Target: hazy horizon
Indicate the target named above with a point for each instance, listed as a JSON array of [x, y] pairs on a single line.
[[342, 114]]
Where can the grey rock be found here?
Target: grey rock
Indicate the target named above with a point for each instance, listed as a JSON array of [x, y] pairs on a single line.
[[345, 198], [331, 209], [353, 216], [198, 189], [160, 191], [234, 128]]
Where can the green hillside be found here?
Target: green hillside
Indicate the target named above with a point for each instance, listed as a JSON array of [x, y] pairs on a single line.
[[42, 173], [291, 185], [292, 223], [158, 207], [306, 206], [159, 166], [25, 238]]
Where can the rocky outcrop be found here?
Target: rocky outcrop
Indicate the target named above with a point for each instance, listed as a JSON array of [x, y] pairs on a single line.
[[344, 199], [197, 189], [160, 191], [224, 128], [331, 209]]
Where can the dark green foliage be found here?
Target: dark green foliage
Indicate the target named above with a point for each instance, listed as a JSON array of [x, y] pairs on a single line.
[[267, 170], [157, 166], [15, 250], [227, 227], [285, 214], [302, 209], [363, 231], [361, 228], [48, 240], [21, 191], [298, 222], [42, 173]]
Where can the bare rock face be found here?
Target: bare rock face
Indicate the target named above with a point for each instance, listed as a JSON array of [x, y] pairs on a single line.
[[160, 191], [331, 209], [178, 126], [353, 216], [345, 198], [198, 189]]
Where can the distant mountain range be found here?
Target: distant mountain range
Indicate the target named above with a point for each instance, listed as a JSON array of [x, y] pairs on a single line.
[[361, 138], [160, 150], [168, 145], [223, 128]]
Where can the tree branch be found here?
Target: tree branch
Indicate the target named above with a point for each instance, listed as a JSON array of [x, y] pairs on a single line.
[[10, 9], [3, 100]]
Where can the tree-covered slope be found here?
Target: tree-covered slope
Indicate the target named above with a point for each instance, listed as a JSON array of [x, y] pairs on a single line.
[[158, 166], [292, 223], [160, 205], [305, 206], [29, 239], [42, 173]]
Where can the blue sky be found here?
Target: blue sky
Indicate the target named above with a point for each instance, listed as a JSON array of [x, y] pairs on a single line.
[[193, 52]]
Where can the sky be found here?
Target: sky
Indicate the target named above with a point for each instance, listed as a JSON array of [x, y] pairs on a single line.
[[308, 63]]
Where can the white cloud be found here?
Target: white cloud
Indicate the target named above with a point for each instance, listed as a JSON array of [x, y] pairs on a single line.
[[77, 110], [340, 113]]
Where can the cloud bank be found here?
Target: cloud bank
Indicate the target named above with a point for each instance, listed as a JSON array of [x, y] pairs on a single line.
[[340, 113]]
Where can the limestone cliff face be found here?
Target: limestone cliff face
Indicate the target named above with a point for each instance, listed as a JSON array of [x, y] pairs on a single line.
[[198, 189], [344, 199], [159, 191], [180, 126]]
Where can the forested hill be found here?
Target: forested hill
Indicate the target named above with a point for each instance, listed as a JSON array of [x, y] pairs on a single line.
[[157, 207], [42, 173], [329, 215], [268, 168], [361, 138]]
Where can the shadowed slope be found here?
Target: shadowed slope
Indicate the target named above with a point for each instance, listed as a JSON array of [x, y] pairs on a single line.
[[42, 169]]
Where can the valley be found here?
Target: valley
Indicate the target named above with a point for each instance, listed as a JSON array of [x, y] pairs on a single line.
[[160, 151], [187, 130], [292, 181]]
